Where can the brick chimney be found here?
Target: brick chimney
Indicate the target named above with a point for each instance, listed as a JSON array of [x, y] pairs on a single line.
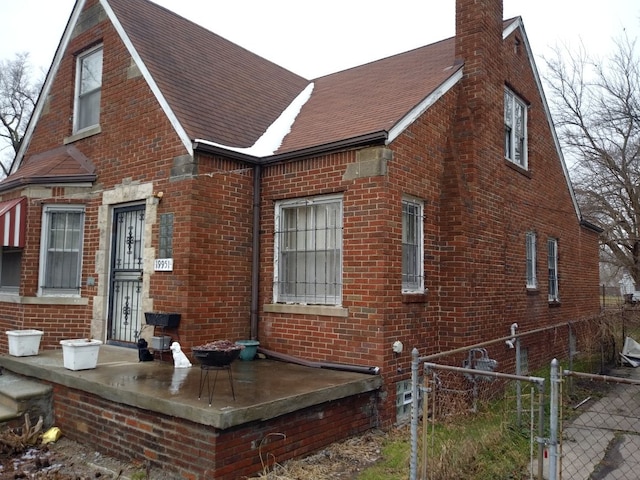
[[474, 177], [479, 46]]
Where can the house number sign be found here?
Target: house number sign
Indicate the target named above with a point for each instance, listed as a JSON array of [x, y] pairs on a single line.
[[163, 264]]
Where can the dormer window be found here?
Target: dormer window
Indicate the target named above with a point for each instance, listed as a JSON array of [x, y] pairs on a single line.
[[515, 129], [88, 89]]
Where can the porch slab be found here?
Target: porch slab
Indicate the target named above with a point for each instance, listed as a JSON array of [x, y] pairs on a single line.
[[263, 389]]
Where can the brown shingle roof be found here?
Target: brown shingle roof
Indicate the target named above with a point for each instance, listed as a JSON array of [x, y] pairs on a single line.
[[218, 90], [372, 97], [62, 164], [222, 93]]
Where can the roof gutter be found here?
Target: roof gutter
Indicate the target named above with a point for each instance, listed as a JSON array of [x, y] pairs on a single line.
[[78, 180], [355, 142], [591, 226]]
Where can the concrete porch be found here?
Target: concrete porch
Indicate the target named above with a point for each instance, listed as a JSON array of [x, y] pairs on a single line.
[[264, 389]]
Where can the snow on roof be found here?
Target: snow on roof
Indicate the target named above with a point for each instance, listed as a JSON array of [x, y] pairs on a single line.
[[272, 138]]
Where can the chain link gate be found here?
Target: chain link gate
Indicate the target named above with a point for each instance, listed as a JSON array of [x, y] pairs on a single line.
[[449, 392]]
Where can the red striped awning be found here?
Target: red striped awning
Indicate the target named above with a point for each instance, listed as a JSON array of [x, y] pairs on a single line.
[[12, 222]]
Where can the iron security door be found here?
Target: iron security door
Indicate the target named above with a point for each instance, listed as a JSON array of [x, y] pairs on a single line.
[[125, 310]]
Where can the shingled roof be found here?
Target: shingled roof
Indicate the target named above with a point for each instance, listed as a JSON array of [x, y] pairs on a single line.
[[222, 93], [218, 90]]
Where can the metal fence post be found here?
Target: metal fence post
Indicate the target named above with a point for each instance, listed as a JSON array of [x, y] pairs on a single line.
[[413, 463], [518, 386], [541, 431], [424, 475], [553, 420]]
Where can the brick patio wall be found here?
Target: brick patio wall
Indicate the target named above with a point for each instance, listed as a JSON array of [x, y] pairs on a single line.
[[199, 452]]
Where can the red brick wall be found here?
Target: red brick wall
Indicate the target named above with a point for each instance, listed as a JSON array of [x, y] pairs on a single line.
[[200, 452], [477, 211], [478, 208]]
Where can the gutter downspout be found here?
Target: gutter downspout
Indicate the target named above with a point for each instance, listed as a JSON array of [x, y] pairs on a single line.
[[255, 265], [307, 363]]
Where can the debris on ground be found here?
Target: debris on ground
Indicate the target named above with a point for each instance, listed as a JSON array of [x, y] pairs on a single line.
[[26, 452], [17, 440], [24, 455]]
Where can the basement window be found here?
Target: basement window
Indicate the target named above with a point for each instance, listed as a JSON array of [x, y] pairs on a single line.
[[404, 400]]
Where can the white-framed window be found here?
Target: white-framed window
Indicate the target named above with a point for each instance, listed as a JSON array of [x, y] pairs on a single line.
[[61, 249], [515, 129], [88, 89], [532, 278], [552, 245], [10, 267], [308, 251], [412, 246]]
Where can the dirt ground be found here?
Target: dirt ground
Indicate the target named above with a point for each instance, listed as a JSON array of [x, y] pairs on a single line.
[[69, 460]]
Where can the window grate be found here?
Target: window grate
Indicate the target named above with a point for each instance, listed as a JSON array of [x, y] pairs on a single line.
[[63, 241], [412, 246], [309, 245]]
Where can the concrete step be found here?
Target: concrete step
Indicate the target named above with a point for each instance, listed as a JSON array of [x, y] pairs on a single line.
[[20, 395], [7, 414]]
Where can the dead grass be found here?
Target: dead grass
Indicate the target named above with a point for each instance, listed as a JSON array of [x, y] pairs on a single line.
[[341, 460]]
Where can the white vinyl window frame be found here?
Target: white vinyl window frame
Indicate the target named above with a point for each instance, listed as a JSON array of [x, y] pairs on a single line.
[[88, 90], [552, 255], [308, 251], [412, 245], [531, 260], [61, 249], [515, 129]]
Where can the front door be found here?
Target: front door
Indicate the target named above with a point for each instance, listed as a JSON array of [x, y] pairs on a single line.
[[125, 310]]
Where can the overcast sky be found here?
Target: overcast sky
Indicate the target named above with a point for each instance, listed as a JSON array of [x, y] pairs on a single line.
[[316, 38]]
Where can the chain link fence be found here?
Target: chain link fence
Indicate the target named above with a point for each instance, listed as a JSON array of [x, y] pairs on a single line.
[[600, 434], [501, 405], [563, 424]]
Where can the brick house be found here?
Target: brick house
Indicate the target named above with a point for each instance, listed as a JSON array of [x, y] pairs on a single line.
[[421, 198]]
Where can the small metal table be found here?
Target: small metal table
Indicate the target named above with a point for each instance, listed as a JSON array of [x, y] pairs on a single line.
[[204, 377]]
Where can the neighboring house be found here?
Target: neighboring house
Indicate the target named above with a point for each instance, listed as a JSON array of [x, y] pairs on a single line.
[[627, 289], [421, 198]]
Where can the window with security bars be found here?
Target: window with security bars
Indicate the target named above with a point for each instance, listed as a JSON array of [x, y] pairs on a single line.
[[412, 246], [308, 251], [553, 269], [532, 280], [515, 129], [61, 252]]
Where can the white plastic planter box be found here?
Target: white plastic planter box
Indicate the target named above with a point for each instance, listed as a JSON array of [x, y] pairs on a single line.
[[80, 353], [24, 343]]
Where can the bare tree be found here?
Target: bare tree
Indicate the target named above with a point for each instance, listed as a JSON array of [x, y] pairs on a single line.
[[18, 95], [596, 108]]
